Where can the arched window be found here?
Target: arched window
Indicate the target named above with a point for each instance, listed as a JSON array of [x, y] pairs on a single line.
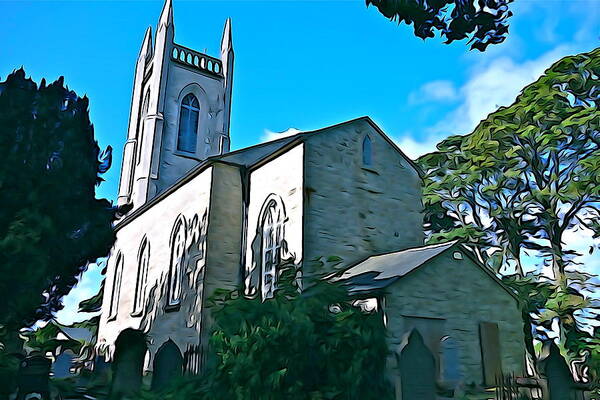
[[142, 277], [367, 152], [188, 124], [176, 268], [272, 229], [116, 287]]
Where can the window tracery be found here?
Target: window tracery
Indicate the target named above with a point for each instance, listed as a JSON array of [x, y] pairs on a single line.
[[272, 228]]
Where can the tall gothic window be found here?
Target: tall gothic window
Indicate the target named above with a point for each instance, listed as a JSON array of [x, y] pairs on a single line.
[[116, 288], [142, 277], [188, 124], [272, 240], [367, 152], [176, 268]]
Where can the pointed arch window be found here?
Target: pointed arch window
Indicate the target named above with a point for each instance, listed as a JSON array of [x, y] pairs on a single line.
[[188, 124], [116, 288], [177, 258], [367, 151], [142, 277], [272, 227]]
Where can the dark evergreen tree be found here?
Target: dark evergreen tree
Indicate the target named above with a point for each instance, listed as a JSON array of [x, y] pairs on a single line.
[[51, 224]]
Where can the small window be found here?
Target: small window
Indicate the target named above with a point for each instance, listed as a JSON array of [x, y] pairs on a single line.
[[142, 277], [188, 124], [367, 152], [116, 288], [177, 258]]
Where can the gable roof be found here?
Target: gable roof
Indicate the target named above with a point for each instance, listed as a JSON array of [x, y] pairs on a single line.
[[380, 271], [249, 157]]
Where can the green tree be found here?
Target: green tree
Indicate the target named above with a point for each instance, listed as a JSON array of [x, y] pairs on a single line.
[[530, 171], [483, 22], [299, 345], [526, 176], [51, 224]]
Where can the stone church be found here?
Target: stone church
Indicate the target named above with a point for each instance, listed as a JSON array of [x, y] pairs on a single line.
[[202, 217]]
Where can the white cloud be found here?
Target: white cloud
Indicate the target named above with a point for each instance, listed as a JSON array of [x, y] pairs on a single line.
[[492, 84], [414, 148], [270, 135], [433, 91]]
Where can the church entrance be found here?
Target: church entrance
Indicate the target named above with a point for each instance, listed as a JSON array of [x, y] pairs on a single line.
[[168, 365], [417, 370], [128, 363]]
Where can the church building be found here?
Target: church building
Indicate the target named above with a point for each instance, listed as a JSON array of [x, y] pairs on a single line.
[[201, 217]]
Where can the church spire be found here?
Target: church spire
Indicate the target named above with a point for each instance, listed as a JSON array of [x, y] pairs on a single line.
[[226, 40], [166, 17], [146, 50], [227, 62], [227, 49]]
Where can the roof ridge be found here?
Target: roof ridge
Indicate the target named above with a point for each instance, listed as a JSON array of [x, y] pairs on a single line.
[[291, 137]]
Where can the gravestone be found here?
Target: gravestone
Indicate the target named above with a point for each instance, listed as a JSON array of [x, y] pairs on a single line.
[[168, 365], [34, 377], [128, 364], [560, 381], [417, 370]]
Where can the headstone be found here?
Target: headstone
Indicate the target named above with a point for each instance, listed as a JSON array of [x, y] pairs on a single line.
[[34, 377], [417, 370], [168, 365], [558, 374], [128, 364]]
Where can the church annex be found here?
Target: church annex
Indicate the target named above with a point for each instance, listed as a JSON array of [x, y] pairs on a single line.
[[202, 217]]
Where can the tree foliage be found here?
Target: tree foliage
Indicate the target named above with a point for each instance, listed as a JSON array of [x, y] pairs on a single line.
[[299, 345], [529, 172], [483, 22], [522, 180], [51, 224]]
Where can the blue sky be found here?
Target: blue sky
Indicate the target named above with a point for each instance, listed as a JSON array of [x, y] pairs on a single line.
[[298, 64]]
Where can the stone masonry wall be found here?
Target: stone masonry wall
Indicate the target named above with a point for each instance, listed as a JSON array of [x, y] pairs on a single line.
[[280, 179], [209, 91], [190, 202], [463, 295], [354, 211], [224, 238]]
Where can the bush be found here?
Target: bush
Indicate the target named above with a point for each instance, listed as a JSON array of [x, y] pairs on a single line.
[[294, 346]]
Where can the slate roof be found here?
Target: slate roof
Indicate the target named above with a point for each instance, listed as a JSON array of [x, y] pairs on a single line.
[[77, 333], [377, 272], [251, 155]]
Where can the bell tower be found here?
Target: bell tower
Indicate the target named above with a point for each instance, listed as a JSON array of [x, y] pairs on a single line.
[[180, 111]]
